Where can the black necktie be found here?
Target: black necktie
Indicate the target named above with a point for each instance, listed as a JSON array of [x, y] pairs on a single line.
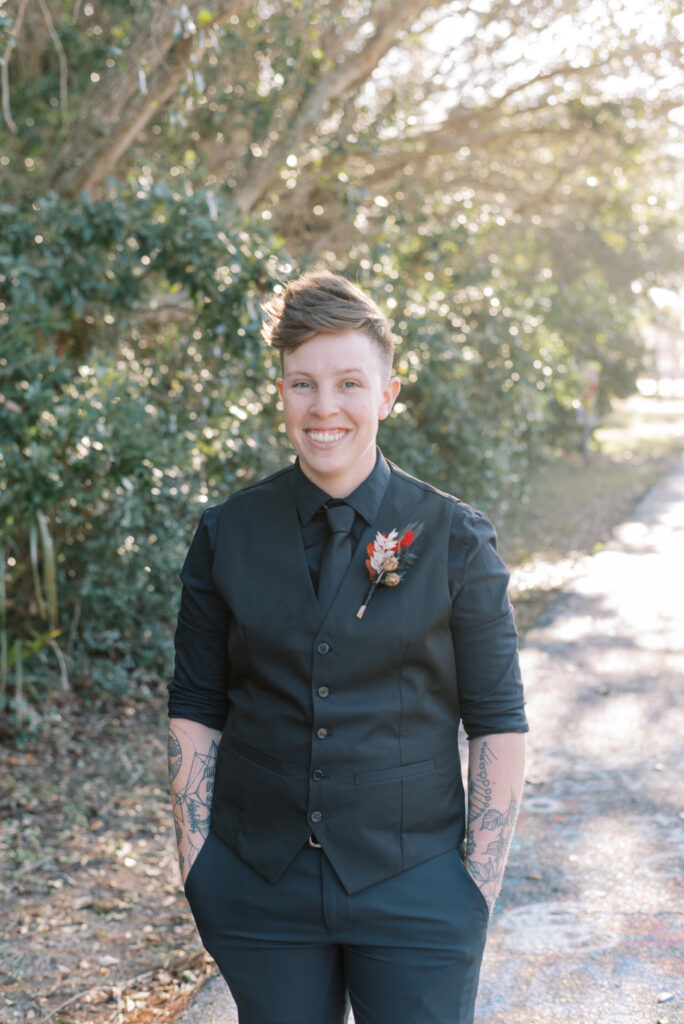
[[336, 554]]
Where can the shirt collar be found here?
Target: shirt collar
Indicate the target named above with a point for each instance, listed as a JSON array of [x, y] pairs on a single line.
[[365, 500]]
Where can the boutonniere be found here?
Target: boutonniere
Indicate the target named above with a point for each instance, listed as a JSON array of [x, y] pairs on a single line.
[[389, 558]]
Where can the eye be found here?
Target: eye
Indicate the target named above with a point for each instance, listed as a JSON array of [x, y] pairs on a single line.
[[300, 385], [349, 384]]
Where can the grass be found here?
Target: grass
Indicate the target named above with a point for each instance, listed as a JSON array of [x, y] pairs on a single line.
[[571, 509]]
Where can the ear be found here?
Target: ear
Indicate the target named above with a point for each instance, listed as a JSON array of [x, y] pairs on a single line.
[[389, 397], [279, 383]]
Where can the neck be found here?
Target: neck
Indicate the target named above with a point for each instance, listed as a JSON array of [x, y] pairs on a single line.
[[343, 485]]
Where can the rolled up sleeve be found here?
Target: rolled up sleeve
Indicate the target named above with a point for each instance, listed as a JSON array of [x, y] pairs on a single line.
[[483, 630], [199, 688]]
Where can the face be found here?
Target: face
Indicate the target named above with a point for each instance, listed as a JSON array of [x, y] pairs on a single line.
[[335, 391]]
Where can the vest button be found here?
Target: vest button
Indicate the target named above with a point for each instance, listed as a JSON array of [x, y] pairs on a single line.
[[321, 733], [316, 816], [323, 648], [323, 691], [318, 775]]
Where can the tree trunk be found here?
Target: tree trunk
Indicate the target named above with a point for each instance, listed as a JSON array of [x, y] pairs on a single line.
[[114, 112], [347, 76]]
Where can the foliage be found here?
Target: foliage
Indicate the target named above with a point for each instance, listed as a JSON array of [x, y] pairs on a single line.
[[502, 178], [499, 323], [71, 269], [117, 454]]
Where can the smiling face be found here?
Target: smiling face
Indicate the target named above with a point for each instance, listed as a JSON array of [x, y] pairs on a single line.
[[335, 390]]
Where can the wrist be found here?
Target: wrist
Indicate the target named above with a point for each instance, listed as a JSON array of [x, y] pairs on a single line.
[[482, 875], [188, 851]]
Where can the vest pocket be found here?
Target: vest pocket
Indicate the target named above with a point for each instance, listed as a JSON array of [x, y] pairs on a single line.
[[402, 771], [255, 756]]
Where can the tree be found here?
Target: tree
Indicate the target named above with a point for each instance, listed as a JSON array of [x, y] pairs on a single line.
[[298, 94], [499, 175]]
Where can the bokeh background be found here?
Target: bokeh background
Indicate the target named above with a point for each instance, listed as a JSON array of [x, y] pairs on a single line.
[[503, 176]]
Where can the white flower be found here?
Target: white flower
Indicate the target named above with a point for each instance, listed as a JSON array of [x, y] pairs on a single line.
[[383, 548]]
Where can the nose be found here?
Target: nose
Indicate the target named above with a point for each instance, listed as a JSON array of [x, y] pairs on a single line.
[[325, 401]]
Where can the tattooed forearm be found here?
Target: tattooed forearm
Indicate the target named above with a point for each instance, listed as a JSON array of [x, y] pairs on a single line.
[[175, 755], [192, 753], [479, 793], [495, 779], [480, 785], [486, 857]]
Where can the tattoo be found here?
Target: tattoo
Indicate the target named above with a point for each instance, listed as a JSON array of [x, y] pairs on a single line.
[[480, 787], [192, 802], [487, 870], [497, 850], [494, 820], [479, 795], [175, 755]]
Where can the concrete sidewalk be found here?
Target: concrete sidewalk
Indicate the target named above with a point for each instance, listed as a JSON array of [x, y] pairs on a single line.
[[590, 927]]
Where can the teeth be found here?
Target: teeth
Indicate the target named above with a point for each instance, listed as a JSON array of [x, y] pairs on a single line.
[[325, 435]]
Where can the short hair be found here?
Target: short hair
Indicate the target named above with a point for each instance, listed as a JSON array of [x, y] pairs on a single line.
[[321, 302]]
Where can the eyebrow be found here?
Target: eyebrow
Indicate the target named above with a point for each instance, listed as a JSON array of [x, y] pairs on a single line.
[[343, 372]]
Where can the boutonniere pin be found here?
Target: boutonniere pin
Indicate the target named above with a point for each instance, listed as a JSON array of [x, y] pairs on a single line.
[[389, 558]]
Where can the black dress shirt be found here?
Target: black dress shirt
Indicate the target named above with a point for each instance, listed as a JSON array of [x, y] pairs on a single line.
[[311, 502], [481, 620]]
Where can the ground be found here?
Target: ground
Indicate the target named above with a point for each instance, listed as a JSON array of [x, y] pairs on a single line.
[[96, 927], [95, 922]]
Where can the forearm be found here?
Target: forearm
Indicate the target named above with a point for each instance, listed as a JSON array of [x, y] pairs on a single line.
[[192, 764], [496, 768]]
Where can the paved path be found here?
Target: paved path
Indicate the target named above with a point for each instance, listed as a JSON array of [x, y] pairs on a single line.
[[590, 929]]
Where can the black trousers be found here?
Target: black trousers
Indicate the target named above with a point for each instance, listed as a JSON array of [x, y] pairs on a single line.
[[406, 951]]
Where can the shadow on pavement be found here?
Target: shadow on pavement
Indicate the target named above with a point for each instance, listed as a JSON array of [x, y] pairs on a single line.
[[589, 929]]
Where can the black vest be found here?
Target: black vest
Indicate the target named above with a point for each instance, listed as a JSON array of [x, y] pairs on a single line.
[[341, 726]]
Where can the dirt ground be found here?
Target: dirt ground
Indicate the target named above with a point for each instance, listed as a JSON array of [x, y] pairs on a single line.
[[95, 925], [96, 929]]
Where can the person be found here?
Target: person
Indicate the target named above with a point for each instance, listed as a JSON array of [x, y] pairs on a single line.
[[338, 620]]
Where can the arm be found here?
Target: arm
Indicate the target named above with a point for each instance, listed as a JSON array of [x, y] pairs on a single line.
[[192, 763], [490, 696], [198, 693], [496, 766]]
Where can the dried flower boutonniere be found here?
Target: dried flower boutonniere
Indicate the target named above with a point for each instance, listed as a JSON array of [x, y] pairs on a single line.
[[389, 557]]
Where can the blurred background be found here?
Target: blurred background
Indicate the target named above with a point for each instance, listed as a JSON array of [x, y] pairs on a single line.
[[504, 177]]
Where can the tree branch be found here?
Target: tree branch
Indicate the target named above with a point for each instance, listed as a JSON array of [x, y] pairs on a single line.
[[4, 67], [114, 112], [345, 76], [61, 55]]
